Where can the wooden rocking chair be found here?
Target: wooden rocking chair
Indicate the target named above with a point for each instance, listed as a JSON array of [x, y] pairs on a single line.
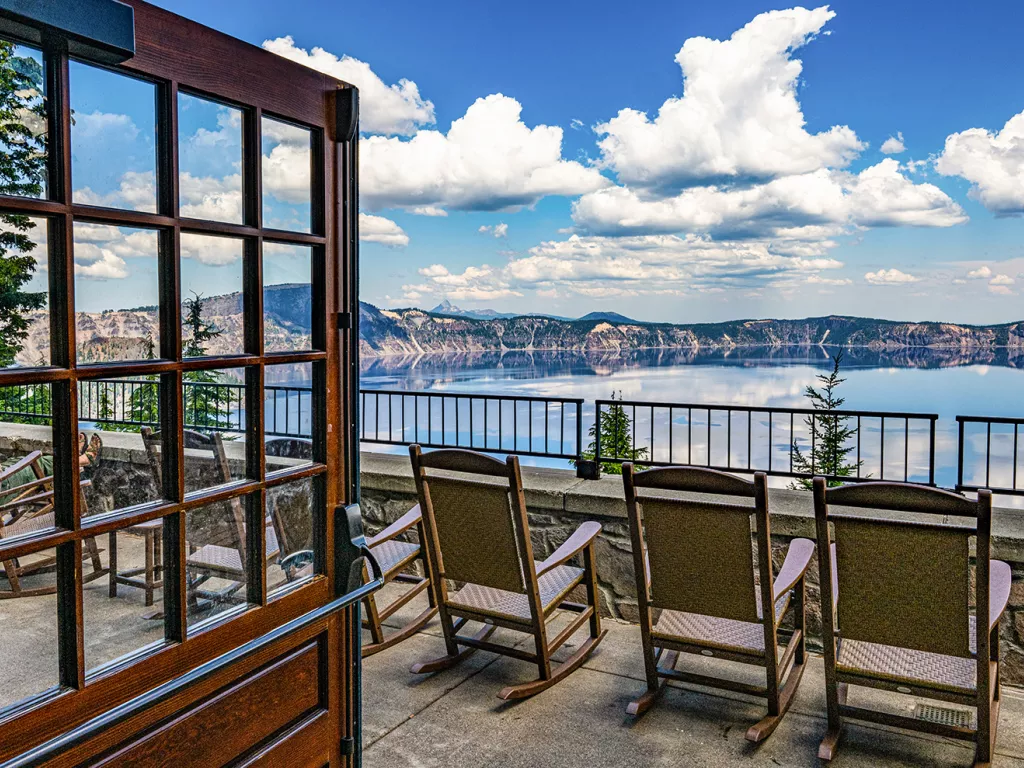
[[28, 508], [478, 535], [896, 614], [395, 556], [219, 555], [694, 563]]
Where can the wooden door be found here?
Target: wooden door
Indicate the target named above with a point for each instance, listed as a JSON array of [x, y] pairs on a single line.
[[176, 607]]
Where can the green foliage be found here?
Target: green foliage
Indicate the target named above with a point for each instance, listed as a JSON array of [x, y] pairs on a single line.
[[31, 404], [22, 172], [831, 442], [616, 439], [206, 404]]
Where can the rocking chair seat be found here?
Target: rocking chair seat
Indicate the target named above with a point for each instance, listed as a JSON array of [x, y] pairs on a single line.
[[554, 585], [904, 665], [714, 632], [391, 553]]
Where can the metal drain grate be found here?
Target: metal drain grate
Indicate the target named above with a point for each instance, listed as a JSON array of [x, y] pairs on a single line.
[[959, 718]]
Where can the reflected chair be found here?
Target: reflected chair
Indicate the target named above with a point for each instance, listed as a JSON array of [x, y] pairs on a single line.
[[28, 508], [478, 536], [214, 551], [395, 557], [897, 612], [694, 562]]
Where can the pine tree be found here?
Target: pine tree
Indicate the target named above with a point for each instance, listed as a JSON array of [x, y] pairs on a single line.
[[143, 407], [616, 439], [206, 403], [830, 435], [22, 172]]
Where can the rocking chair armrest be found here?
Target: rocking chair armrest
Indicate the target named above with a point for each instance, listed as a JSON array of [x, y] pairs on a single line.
[[999, 579], [20, 464], [18, 490], [581, 538], [401, 525], [798, 560]]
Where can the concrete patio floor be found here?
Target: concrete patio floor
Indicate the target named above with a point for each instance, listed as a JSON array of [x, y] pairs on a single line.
[[454, 718]]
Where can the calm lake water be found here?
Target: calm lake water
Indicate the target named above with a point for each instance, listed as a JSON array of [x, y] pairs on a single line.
[[918, 383]]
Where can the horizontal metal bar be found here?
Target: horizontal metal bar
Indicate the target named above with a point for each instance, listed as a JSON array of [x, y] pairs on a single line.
[[471, 396], [766, 409], [989, 420]]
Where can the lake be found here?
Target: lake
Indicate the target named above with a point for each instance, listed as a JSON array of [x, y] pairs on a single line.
[[918, 383]]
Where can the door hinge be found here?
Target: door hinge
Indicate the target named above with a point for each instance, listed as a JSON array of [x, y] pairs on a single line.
[[348, 746], [344, 321]]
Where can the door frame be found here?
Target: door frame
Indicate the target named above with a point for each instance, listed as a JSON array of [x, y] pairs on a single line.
[[174, 53]]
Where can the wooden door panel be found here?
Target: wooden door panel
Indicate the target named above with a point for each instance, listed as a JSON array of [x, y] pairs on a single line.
[[250, 711]]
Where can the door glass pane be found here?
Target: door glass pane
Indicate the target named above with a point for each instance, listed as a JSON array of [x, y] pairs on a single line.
[[289, 533], [113, 146], [214, 427], [26, 460], [30, 627], [23, 133], [124, 611], [122, 468], [209, 160], [287, 297], [288, 415], [117, 292], [214, 565], [287, 176], [25, 323], [211, 293]]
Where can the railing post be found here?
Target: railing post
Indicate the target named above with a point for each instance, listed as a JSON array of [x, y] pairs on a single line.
[[960, 453], [588, 469], [931, 452]]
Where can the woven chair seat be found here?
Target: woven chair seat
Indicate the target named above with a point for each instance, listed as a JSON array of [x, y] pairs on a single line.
[[214, 557], [27, 524], [934, 670], [726, 634], [553, 585], [390, 553]]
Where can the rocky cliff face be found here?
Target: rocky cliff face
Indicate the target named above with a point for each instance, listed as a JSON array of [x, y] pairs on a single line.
[[124, 334], [413, 331]]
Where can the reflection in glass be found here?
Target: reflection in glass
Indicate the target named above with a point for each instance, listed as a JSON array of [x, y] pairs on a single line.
[[116, 293], [209, 160], [287, 176], [23, 128], [113, 148], [289, 533], [288, 415], [26, 459], [111, 414], [30, 627], [215, 566], [123, 613], [214, 410], [24, 292], [211, 292], [287, 297]]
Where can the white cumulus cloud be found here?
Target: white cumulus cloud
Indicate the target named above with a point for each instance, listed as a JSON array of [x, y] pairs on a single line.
[[894, 144], [993, 161], [378, 229], [738, 118], [392, 109], [488, 160], [889, 277], [498, 230]]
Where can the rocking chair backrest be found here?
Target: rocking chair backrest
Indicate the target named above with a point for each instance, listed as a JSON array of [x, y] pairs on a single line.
[[479, 527], [212, 525], [904, 583], [698, 555]]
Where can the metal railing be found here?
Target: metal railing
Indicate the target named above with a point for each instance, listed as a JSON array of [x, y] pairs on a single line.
[[134, 403], [1004, 445], [735, 438], [550, 427]]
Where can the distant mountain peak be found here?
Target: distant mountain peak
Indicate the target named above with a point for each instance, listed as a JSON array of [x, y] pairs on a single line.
[[614, 317]]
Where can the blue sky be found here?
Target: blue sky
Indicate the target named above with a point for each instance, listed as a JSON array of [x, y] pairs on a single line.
[[762, 190]]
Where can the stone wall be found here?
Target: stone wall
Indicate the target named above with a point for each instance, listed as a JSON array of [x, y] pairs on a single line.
[[558, 502]]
